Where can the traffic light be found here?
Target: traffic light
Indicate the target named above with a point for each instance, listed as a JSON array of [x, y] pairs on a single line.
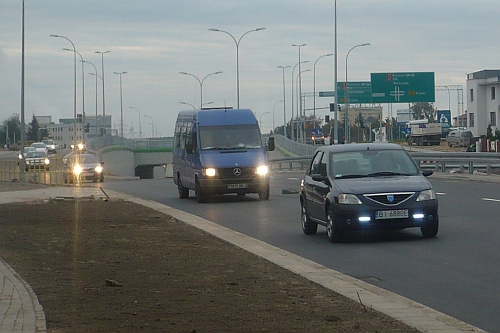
[[327, 118], [87, 127]]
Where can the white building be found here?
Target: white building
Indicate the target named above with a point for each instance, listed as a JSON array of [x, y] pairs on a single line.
[[483, 101]]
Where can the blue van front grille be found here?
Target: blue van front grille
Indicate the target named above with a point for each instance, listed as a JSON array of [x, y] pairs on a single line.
[[236, 172]]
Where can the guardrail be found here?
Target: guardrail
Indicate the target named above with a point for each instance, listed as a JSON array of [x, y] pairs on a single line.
[[10, 170], [439, 161]]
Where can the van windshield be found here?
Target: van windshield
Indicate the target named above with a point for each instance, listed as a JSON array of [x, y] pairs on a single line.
[[229, 137]]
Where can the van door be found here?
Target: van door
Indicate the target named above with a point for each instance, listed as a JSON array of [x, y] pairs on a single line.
[[192, 162]]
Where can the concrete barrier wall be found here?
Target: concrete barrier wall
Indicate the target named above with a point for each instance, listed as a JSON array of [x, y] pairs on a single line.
[[119, 163], [153, 158]]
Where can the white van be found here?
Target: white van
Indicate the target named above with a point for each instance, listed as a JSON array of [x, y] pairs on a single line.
[[459, 138]]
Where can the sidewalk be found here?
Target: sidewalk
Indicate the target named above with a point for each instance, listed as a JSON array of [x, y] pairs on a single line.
[[20, 310]]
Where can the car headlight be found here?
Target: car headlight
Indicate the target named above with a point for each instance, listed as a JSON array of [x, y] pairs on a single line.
[[20, 156], [210, 172], [262, 170], [77, 169], [98, 169], [46, 161], [427, 195], [349, 199]]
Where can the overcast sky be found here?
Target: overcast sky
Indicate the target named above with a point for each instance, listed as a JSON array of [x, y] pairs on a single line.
[[154, 40]]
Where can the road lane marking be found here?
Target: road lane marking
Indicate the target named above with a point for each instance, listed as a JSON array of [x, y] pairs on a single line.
[[488, 199]]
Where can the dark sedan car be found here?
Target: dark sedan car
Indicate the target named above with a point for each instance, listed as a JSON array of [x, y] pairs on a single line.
[[366, 186], [81, 167]]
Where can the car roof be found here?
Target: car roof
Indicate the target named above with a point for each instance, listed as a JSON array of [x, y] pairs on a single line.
[[360, 147]]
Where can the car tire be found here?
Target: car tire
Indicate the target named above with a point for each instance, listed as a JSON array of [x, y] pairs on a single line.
[[201, 196], [183, 191], [308, 226], [430, 230], [264, 193], [332, 230]]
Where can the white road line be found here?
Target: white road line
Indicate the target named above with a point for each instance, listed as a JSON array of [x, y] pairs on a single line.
[[440, 193], [488, 199]]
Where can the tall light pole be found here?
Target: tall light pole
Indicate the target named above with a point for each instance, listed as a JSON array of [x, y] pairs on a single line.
[[152, 126], [74, 76], [299, 46], [96, 102], [314, 86], [284, 99], [274, 106], [300, 125], [140, 129], [102, 122], [201, 83], [121, 102], [83, 89], [237, 42], [23, 180], [346, 124], [102, 53], [335, 79], [191, 105], [260, 119], [293, 78]]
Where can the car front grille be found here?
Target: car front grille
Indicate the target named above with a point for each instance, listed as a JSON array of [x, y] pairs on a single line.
[[236, 172], [389, 199]]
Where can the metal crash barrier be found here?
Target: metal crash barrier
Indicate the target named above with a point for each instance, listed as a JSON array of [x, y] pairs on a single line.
[[11, 170]]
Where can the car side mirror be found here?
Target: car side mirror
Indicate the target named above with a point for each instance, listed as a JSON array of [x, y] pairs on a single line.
[[427, 173], [270, 144], [319, 178]]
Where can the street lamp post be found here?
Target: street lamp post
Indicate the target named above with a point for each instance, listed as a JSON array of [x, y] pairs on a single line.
[[102, 53], [96, 102], [260, 119], [346, 124], [299, 109], [300, 125], [237, 42], [102, 122], [152, 126], [83, 88], [201, 83], [284, 99], [121, 102], [74, 79], [293, 78], [274, 106], [140, 129], [314, 86]]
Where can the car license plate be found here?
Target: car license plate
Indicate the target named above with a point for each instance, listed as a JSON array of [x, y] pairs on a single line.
[[235, 186], [391, 214]]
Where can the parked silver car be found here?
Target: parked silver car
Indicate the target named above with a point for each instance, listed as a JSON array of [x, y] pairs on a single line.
[[459, 138]]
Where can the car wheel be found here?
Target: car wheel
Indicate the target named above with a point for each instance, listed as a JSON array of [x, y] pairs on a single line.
[[264, 193], [200, 195], [308, 226], [183, 191], [334, 234], [430, 230]]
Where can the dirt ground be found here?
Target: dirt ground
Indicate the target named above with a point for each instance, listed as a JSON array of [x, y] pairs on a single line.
[[115, 266]]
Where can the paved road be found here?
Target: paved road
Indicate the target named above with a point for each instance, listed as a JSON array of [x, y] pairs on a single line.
[[454, 273]]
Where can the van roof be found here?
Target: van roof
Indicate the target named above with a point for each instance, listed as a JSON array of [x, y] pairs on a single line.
[[214, 117]]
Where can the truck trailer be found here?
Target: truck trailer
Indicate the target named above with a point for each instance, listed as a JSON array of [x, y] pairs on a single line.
[[423, 133]]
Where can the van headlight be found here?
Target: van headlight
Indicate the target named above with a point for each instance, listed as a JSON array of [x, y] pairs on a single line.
[[98, 169], [262, 170], [210, 172], [427, 195], [77, 169]]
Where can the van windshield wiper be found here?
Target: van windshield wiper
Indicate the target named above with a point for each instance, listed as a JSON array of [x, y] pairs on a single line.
[[350, 176], [387, 173]]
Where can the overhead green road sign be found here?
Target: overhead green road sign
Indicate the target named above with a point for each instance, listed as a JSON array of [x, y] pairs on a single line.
[[326, 93], [403, 87], [359, 92]]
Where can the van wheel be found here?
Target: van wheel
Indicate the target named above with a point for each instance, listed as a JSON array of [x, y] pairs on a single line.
[[264, 193], [200, 195], [183, 191]]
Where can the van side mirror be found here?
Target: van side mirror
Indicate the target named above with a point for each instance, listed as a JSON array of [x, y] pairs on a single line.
[[270, 144]]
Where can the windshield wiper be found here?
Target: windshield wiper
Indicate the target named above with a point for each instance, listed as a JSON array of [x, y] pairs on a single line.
[[387, 173], [350, 176]]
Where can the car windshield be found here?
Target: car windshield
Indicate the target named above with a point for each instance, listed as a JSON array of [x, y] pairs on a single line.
[[35, 154], [85, 159], [38, 145], [230, 137], [372, 163]]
